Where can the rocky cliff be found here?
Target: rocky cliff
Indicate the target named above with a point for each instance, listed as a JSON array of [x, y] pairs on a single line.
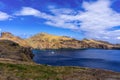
[[13, 51]]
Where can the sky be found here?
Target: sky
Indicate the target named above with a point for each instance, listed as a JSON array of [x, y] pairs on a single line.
[[92, 19]]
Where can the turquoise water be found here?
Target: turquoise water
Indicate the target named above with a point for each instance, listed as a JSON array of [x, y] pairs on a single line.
[[93, 58]]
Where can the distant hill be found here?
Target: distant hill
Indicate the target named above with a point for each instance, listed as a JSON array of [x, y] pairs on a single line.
[[49, 41], [9, 36]]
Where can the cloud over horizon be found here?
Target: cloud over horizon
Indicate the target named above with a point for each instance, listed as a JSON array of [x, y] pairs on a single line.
[[98, 20]]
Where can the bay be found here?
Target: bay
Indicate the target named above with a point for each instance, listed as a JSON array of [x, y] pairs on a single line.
[[92, 58]]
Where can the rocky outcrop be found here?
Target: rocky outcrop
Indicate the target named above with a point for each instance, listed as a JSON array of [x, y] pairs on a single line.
[[48, 41], [12, 50], [98, 44], [9, 36]]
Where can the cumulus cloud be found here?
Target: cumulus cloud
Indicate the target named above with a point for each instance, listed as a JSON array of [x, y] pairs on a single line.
[[96, 21], [28, 11], [4, 16], [99, 18]]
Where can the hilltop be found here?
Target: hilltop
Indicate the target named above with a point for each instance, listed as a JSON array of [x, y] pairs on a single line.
[[48, 41], [11, 37]]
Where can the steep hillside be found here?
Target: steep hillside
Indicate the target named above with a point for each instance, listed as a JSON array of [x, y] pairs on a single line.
[[99, 44], [12, 51], [48, 41], [9, 36]]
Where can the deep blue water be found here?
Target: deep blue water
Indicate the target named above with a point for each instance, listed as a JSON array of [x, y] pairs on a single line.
[[93, 58]]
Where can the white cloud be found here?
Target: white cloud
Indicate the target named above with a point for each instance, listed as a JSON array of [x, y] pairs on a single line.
[[28, 11], [95, 21], [118, 37], [98, 18], [4, 16]]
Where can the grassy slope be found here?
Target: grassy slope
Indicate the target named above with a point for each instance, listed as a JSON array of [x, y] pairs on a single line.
[[48, 41], [15, 71]]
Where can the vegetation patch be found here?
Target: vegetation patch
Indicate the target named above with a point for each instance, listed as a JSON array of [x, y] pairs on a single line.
[[43, 72]]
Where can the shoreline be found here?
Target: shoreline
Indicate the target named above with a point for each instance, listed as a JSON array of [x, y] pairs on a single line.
[[75, 49]]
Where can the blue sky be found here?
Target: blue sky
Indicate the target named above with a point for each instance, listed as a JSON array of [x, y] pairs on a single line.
[[93, 19]]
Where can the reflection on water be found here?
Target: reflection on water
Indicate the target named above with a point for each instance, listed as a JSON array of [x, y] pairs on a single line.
[[94, 58]]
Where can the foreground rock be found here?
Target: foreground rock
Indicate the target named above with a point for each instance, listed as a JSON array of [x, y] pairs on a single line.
[[12, 50]]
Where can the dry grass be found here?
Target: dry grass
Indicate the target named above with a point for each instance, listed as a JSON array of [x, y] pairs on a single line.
[[20, 71]]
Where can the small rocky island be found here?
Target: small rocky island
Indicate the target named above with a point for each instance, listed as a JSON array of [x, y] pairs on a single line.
[[16, 59]]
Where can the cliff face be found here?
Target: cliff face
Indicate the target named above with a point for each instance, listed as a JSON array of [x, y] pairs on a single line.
[[47, 41], [98, 44], [9, 36], [12, 50]]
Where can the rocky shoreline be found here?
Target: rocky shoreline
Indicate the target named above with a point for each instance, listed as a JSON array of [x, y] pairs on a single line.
[[16, 64]]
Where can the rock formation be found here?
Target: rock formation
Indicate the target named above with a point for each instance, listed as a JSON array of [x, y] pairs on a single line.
[[13, 51]]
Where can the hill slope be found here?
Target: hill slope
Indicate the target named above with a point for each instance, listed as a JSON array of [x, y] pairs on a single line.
[[10, 71], [12, 51], [9, 36], [48, 41]]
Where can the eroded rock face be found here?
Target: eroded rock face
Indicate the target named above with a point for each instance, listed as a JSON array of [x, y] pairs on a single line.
[[12, 50]]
